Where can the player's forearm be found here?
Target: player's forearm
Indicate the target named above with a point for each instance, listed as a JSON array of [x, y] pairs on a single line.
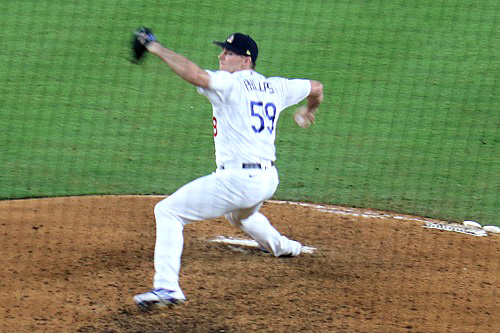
[[181, 65], [313, 103], [315, 97]]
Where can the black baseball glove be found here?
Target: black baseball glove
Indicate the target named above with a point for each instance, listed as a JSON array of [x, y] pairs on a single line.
[[140, 39]]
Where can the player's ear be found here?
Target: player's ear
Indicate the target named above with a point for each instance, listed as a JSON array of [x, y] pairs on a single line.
[[249, 62]]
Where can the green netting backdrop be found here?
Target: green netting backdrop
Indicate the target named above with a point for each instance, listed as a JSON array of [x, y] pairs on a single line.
[[410, 122]]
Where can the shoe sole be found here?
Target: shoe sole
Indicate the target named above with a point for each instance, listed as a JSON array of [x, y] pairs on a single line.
[[146, 306]]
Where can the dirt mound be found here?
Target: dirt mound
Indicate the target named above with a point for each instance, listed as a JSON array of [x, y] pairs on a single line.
[[73, 264]]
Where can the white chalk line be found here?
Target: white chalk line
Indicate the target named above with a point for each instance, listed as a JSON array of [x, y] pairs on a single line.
[[469, 230], [351, 211]]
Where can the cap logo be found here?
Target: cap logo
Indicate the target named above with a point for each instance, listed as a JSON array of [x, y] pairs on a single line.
[[230, 39], [249, 53]]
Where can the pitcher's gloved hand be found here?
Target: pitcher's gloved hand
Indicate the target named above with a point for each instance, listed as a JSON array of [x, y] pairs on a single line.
[[140, 39]]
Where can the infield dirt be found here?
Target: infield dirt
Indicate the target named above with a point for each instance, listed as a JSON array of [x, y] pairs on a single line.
[[73, 264]]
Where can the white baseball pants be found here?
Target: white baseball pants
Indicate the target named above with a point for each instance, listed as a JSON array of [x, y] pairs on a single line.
[[235, 193]]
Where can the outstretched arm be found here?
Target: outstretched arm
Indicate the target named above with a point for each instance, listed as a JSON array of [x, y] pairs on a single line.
[[305, 115], [181, 65]]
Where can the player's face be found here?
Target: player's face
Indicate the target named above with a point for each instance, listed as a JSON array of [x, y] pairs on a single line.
[[230, 61]]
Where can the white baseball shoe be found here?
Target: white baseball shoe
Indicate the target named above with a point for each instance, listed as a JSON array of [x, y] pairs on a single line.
[[295, 250], [158, 298]]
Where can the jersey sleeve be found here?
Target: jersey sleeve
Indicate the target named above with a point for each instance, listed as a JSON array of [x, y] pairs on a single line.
[[220, 83], [295, 90]]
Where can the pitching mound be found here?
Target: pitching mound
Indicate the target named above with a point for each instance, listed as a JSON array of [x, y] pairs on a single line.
[[73, 265]]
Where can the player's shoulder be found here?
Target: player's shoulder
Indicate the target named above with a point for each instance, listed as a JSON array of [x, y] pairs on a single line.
[[260, 77], [248, 74], [277, 79], [220, 80], [281, 81], [290, 83], [286, 79], [253, 75], [235, 76], [218, 73]]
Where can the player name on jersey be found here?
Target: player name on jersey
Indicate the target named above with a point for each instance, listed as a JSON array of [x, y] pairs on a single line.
[[262, 86]]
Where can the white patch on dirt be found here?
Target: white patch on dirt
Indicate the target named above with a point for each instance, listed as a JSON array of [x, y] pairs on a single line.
[[456, 228], [250, 243]]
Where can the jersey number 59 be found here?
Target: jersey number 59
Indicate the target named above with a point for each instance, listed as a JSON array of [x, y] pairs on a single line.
[[266, 114]]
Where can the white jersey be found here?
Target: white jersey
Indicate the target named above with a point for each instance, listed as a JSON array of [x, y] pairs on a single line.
[[246, 108]]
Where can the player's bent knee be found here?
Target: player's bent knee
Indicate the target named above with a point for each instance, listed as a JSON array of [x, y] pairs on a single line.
[[162, 209], [165, 212], [233, 219], [159, 208]]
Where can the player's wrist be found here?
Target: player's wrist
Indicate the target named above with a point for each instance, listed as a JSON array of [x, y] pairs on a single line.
[[153, 47], [312, 109]]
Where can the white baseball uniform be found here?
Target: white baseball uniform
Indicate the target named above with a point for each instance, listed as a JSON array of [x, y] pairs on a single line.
[[246, 107]]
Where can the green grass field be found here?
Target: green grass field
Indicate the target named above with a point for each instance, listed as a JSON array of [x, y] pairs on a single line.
[[411, 120]]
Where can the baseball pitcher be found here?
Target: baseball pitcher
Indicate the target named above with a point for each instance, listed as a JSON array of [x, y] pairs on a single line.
[[246, 107]]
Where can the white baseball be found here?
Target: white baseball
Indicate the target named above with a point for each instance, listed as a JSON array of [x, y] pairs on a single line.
[[300, 120]]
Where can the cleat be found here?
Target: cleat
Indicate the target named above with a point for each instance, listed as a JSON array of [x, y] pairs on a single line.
[[158, 298], [296, 249]]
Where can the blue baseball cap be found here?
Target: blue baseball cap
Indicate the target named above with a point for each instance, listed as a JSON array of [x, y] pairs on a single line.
[[241, 44]]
